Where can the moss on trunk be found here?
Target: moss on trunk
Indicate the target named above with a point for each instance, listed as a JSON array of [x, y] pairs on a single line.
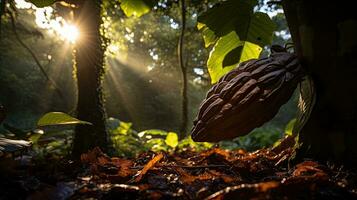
[[89, 63]]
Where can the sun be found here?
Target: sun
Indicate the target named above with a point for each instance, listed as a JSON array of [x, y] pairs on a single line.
[[46, 19], [69, 32]]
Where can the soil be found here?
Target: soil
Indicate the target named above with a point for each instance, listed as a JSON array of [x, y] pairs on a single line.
[[185, 174]]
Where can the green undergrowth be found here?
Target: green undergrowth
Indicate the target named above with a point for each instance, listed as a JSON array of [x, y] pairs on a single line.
[[128, 142], [53, 135]]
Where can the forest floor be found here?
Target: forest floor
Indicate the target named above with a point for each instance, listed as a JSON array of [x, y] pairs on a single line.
[[210, 174]]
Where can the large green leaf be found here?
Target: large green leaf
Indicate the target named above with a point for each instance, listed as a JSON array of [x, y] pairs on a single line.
[[227, 52], [237, 32], [223, 46], [42, 3], [224, 17], [258, 29], [59, 118], [238, 15], [135, 7]]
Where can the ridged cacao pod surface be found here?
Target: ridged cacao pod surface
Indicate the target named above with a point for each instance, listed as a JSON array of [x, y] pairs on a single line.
[[247, 97]]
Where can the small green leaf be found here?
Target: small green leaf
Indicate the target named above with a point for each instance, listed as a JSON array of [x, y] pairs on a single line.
[[42, 3], [171, 139], [135, 8], [59, 118], [124, 127]]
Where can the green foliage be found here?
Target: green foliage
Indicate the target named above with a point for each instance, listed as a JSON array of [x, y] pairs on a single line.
[[59, 118], [189, 143], [129, 143], [54, 136], [135, 8], [52, 143], [259, 138], [42, 3], [238, 33]]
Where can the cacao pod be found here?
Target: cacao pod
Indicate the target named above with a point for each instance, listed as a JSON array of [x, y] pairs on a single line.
[[247, 97]]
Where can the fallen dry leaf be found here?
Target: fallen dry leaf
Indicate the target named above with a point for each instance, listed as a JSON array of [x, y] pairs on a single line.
[[147, 167]]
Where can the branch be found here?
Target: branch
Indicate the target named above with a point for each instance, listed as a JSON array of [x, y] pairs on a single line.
[[52, 82]]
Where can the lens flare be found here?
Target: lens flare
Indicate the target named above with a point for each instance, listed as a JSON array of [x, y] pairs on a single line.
[[69, 32]]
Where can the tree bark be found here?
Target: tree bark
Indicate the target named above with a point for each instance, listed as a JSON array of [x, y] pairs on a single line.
[[89, 63], [324, 35]]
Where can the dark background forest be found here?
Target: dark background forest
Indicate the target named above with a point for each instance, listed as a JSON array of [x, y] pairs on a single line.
[[142, 81]]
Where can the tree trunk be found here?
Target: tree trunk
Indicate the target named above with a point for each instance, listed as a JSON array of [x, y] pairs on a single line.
[[184, 112], [324, 35], [89, 56]]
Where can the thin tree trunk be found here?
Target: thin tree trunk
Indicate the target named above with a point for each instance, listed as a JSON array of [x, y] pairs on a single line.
[[2, 12], [184, 111], [324, 34], [89, 58]]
